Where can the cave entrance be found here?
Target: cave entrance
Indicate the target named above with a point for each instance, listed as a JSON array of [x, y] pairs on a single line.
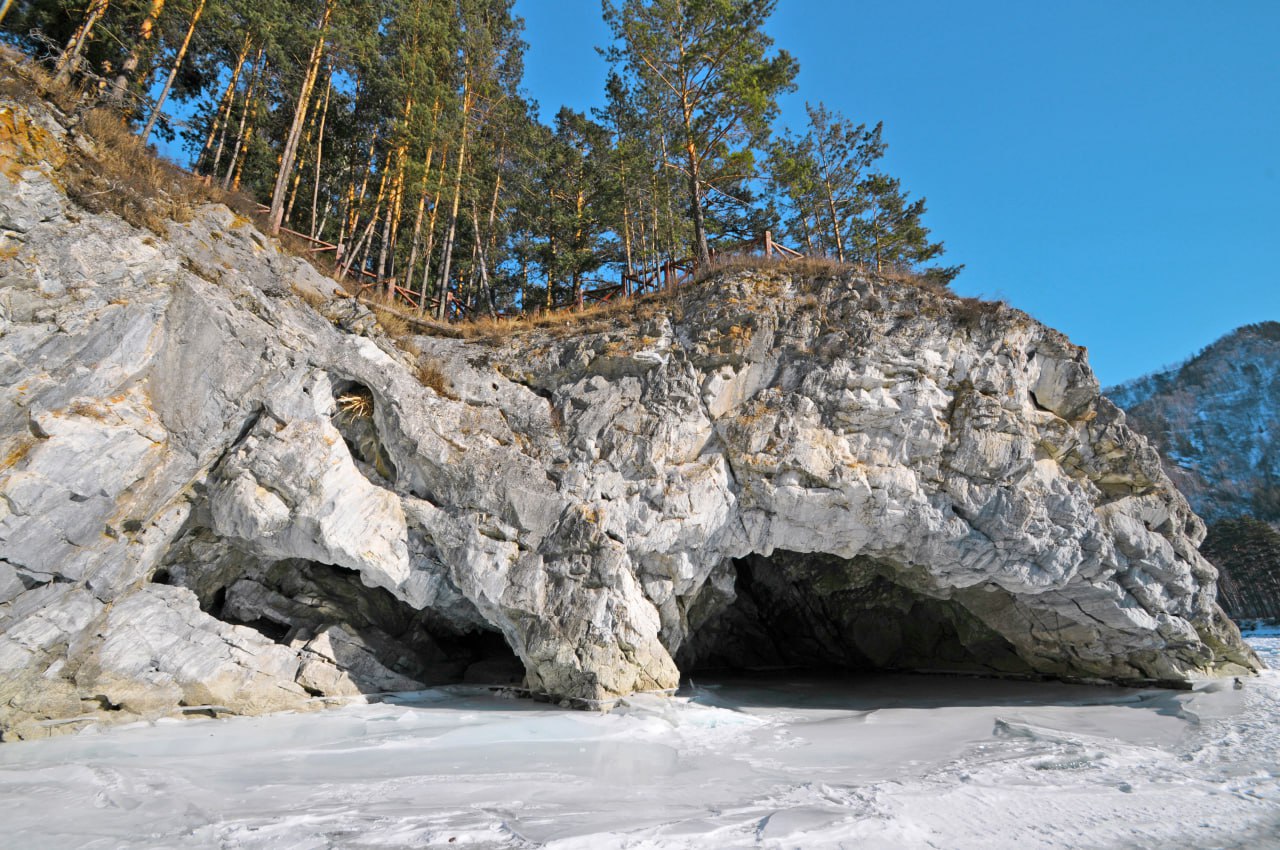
[[826, 614], [380, 642], [371, 640]]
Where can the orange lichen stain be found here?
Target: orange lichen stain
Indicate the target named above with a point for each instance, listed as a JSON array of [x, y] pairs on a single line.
[[24, 144], [19, 451]]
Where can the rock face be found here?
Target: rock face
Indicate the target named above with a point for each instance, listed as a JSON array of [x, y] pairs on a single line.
[[216, 497], [1216, 421]]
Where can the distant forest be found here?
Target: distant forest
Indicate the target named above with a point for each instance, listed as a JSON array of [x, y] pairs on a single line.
[[398, 131]]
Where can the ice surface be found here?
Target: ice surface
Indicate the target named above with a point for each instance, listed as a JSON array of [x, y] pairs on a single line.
[[780, 762]]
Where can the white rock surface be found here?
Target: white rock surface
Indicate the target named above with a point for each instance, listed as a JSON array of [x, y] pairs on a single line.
[[840, 470]]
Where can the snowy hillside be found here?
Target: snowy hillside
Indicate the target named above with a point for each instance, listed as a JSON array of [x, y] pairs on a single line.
[[1216, 420]]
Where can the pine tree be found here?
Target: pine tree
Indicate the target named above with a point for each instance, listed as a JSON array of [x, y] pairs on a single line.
[[709, 84], [890, 232]]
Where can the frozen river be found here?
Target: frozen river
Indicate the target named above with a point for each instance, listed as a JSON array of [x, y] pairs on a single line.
[[785, 762]]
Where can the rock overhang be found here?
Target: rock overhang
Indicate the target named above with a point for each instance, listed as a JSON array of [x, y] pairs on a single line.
[[589, 496]]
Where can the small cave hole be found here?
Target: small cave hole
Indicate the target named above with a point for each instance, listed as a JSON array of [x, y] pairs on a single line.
[[161, 576], [276, 632], [216, 603], [355, 419]]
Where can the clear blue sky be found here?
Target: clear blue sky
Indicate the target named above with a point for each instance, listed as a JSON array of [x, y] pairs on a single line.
[[1111, 167]]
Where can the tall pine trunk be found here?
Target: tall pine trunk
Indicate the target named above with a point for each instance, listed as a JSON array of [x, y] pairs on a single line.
[[218, 127], [120, 85], [70, 57], [315, 189], [703, 253], [259, 66], [177, 63], [290, 151], [431, 229], [447, 258]]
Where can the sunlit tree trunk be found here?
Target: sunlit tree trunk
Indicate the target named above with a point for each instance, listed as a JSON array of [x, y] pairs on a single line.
[[218, 127], [290, 151], [177, 63], [259, 64], [70, 57], [315, 190], [446, 260], [130, 64]]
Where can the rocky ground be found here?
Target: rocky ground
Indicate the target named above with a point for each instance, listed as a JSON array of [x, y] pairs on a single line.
[[224, 488]]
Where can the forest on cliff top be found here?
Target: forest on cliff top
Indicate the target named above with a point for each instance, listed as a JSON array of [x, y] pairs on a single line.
[[395, 136]]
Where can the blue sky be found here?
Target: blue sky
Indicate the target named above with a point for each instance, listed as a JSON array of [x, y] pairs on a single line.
[[1112, 168]]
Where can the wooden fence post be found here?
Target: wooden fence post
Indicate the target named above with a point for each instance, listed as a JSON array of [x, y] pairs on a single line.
[[768, 244]]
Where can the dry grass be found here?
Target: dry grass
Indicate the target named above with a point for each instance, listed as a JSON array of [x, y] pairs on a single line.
[[121, 174], [316, 300], [614, 314], [357, 404], [27, 82], [430, 375], [561, 323], [90, 409], [394, 325], [971, 311], [123, 177]]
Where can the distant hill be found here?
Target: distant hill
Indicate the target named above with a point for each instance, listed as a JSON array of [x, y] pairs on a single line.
[[1216, 421]]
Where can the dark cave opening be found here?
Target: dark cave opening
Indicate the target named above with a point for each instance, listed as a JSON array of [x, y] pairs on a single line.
[[379, 641], [295, 602], [826, 614]]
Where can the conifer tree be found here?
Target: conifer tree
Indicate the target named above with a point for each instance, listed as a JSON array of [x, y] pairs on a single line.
[[710, 85]]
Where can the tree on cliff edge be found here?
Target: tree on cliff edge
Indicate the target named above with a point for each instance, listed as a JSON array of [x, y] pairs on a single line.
[[705, 76]]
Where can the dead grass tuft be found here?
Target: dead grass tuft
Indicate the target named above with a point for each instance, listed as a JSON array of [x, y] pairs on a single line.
[[395, 326], [90, 409], [316, 300], [971, 312], [432, 376], [27, 82], [357, 404]]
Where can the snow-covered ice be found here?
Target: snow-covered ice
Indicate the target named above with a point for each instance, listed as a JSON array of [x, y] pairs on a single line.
[[780, 762]]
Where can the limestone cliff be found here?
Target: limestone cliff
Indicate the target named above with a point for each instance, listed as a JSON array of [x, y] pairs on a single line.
[[216, 497]]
